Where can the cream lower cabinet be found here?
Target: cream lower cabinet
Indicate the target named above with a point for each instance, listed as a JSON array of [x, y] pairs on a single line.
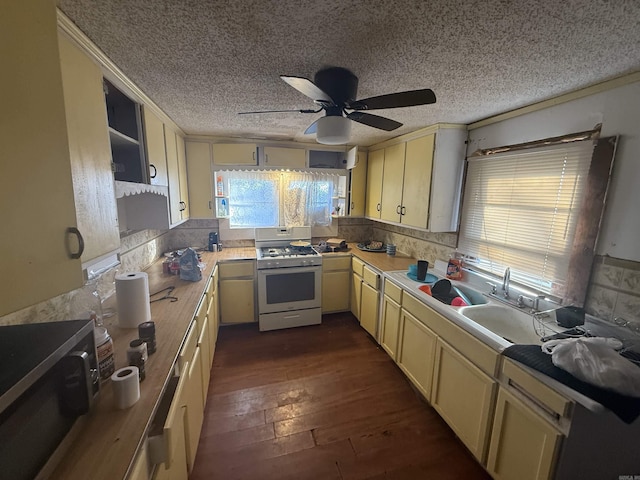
[[357, 269], [237, 292], [190, 364], [336, 283], [523, 444], [416, 352], [463, 395], [213, 313], [370, 300], [169, 442], [390, 318]]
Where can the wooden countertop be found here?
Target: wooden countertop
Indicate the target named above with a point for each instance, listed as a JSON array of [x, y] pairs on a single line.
[[382, 261], [107, 440]]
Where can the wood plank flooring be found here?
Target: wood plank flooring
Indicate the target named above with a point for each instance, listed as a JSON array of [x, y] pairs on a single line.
[[321, 402]]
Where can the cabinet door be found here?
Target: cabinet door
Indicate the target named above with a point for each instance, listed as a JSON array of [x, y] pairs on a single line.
[[182, 172], [356, 295], [462, 395], [336, 291], [154, 136], [235, 154], [392, 187], [416, 352], [369, 308], [90, 151], [37, 192], [200, 178], [358, 188], [416, 188], [205, 356], [237, 301], [389, 326], [174, 176], [523, 445], [375, 169], [285, 157], [195, 407], [212, 314]]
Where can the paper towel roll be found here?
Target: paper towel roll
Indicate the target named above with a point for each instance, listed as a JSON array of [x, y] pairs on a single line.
[[126, 387], [132, 296]]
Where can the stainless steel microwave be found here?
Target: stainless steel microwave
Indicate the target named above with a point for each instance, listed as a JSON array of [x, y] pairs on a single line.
[[48, 379]]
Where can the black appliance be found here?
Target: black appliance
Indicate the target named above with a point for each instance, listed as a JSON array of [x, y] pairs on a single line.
[[48, 379]]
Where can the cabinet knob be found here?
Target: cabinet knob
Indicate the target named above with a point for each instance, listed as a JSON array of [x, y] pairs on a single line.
[[155, 170], [403, 209], [75, 232], [378, 207]]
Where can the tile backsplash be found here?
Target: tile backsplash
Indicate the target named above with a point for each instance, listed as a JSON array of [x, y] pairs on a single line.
[[614, 290]]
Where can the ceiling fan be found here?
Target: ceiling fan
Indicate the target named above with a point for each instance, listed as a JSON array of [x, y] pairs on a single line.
[[334, 90]]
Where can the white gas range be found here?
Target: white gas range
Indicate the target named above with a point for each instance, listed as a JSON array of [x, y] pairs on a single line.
[[289, 278]]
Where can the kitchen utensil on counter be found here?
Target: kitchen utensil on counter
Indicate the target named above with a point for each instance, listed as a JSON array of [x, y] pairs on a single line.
[[300, 244], [429, 278], [421, 272]]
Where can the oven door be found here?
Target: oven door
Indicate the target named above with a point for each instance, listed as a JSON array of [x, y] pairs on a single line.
[[287, 289]]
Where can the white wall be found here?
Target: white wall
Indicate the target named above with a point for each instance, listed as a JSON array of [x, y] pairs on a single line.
[[619, 112]]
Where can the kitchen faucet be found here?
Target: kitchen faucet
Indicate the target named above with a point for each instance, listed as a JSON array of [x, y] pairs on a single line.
[[505, 282]]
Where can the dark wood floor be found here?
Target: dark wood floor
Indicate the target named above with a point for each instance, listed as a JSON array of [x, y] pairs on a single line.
[[321, 402]]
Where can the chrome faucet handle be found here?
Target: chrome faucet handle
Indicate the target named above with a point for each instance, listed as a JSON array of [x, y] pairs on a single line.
[[521, 301], [494, 288]]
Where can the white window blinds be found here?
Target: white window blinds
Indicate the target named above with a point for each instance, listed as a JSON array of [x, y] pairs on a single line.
[[520, 211]]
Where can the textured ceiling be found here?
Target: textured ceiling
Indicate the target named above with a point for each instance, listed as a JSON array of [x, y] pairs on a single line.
[[202, 61]]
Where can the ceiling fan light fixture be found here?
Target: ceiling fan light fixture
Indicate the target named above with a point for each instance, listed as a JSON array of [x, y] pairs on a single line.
[[333, 130]]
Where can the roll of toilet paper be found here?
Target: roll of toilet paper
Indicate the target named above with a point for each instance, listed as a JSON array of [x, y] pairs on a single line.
[[126, 387], [132, 297]]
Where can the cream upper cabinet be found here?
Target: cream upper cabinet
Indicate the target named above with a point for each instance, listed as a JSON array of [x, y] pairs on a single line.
[[358, 186], [200, 176], [157, 151], [375, 170], [35, 161], [422, 180], [176, 170], [182, 172], [463, 395], [285, 157], [235, 154], [416, 184], [90, 152], [392, 183], [523, 445]]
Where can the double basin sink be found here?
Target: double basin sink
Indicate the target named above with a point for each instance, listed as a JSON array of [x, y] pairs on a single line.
[[503, 325]]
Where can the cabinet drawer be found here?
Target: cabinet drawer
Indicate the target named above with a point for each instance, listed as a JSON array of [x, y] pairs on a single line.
[[393, 291], [336, 263], [475, 350], [532, 387], [371, 277], [357, 266], [237, 269]]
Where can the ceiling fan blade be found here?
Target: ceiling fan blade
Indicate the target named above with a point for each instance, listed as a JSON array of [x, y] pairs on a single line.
[[313, 128], [409, 98], [304, 110], [308, 88], [374, 121]]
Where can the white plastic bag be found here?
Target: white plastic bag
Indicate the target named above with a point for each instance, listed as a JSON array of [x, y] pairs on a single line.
[[594, 360]]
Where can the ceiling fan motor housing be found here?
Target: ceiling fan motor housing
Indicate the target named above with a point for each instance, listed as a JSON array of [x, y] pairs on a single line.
[[339, 83]]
